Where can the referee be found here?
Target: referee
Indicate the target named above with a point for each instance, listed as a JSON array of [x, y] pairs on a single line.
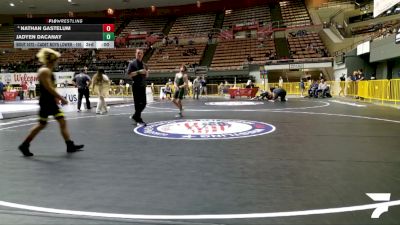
[[138, 72]]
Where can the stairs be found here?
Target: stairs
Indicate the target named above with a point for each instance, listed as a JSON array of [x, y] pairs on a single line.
[[219, 20], [165, 31], [282, 47], [208, 55], [122, 26], [168, 26], [276, 16]]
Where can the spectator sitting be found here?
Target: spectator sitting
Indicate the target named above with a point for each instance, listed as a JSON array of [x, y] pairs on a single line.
[[249, 84], [267, 54], [249, 59], [168, 91], [322, 88], [313, 89]]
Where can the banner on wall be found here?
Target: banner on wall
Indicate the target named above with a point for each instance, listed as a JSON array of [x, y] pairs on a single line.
[[70, 94], [381, 6], [18, 78]]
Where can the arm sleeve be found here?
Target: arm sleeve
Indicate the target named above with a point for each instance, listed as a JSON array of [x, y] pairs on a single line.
[[131, 68]]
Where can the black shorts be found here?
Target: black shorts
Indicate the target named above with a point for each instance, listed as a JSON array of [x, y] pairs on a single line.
[[179, 93], [49, 110]]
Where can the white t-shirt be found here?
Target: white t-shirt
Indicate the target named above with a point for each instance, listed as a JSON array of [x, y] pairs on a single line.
[[32, 87]]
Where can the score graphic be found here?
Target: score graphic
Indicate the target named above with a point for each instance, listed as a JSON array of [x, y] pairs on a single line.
[[108, 33], [64, 33]]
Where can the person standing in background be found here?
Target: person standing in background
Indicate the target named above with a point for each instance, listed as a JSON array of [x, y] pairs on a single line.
[[302, 87], [101, 85], [342, 84], [2, 91], [280, 82], [82, 82], [24, 87], [203, 86], [32, 90], [196, 88]]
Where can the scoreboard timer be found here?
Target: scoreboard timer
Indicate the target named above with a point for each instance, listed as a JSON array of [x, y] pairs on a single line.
[[64, 33]]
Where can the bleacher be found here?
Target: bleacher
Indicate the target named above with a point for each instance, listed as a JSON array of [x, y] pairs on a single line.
[[193, 25], [231, 54], [170, 57], [18, 56], [118, 54], [294, 13], [144, 26], [306, 45], [6, 36], [372, 28], [261, 14]]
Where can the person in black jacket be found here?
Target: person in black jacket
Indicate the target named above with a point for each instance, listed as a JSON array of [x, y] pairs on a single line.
[[138, 71]]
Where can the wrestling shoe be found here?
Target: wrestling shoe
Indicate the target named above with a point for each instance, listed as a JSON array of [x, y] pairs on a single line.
[[71, 147], [24, 148]]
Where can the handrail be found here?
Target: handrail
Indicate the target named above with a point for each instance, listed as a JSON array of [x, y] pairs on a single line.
[[369, 38]]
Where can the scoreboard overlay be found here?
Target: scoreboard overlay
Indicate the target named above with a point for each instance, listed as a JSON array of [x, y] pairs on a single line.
[[64, 33]]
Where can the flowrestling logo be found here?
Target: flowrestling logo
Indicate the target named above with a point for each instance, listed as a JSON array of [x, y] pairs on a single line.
[[234, 103], [205, 129]]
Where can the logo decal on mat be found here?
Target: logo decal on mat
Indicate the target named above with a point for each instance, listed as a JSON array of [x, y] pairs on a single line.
[[205, 129]]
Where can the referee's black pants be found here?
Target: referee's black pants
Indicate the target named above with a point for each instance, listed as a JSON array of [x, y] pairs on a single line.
[[83, 92], [139, 98]]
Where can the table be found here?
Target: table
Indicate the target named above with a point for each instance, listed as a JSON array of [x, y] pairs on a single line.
[[248, 92]]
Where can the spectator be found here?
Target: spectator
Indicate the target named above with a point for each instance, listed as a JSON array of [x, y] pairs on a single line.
[[221, 88], [249, 84], [32, 90], [342, 84], [322, 88], [24, 87], [267, 54], [1, 91], [249, 59], [196, 88], [313, 88], [8, 87], [121, 87], [210, 37], [176, 40], [203, 86], [168, 91], [280, 82], [302, 87], [101, 85]]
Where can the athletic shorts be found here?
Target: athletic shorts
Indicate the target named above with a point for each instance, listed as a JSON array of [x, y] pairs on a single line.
[[179, 93], [50, 110]]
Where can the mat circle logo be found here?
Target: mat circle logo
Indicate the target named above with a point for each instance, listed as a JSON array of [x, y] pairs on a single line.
[[205, 129]]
